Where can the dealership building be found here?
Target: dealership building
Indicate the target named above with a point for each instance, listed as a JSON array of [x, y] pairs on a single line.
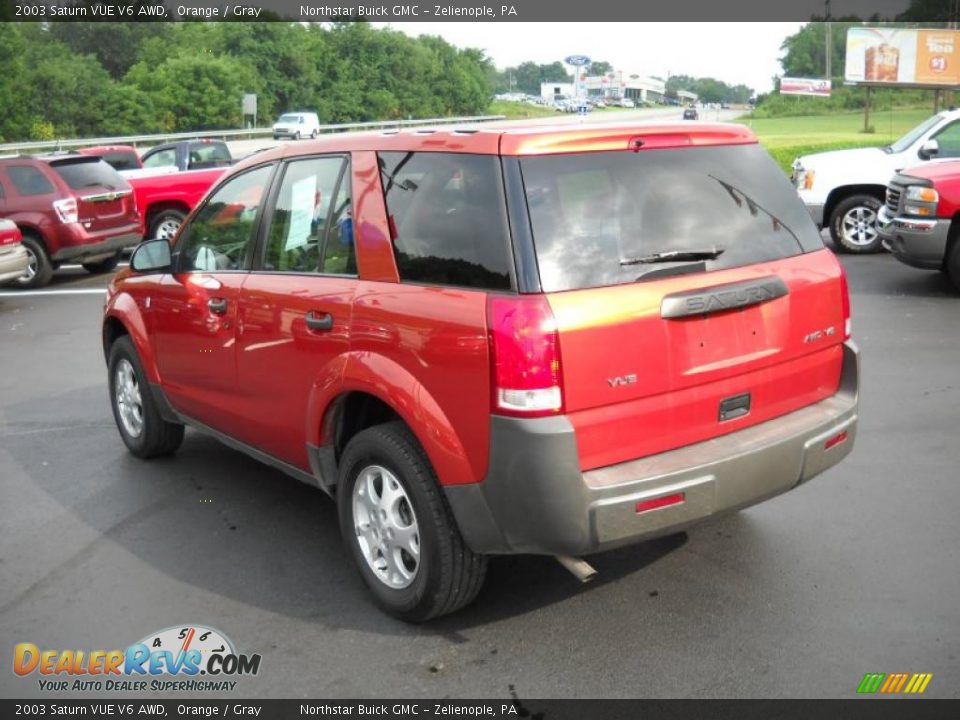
[[623, 84]]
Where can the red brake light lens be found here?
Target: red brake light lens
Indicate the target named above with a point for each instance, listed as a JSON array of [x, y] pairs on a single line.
[[525, 348], [67, 210]]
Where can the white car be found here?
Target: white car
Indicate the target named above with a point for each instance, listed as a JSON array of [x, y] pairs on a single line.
[[296, 125], [627, 103], [844, 189]]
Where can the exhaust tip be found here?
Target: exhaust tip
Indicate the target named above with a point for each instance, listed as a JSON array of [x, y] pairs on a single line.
[[579, 568]]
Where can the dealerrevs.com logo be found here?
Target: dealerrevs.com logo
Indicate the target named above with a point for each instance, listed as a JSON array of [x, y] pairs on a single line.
[[187, 658]]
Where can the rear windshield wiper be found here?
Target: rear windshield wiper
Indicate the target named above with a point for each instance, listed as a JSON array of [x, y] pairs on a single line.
[[674, 256]]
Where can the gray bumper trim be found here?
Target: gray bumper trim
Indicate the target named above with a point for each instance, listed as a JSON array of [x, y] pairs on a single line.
[[106, 247], [924, 249], [816, 212], [536, 500]]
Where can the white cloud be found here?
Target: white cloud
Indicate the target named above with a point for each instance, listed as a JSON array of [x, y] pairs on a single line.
[[732, 52]]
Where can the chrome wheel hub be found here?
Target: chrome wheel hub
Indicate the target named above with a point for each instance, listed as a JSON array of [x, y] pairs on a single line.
[[32, 265], [167, 229], [126, 392], [859, 226], [386, 527]]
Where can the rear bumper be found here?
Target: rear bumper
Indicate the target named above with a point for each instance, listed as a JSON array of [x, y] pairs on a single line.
[[13, 264], [913, 241], [536, 500], [95, 247]]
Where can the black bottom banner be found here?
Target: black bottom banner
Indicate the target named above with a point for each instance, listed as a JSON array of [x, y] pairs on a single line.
[[860, 709]]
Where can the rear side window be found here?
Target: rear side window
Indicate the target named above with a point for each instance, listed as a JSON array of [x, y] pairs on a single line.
[[206, 155], [447, 218], [29, 181], [312, 231], [596, 215], [88, 173]]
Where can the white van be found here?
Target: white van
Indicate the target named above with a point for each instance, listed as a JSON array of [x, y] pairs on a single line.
[[296, 125]]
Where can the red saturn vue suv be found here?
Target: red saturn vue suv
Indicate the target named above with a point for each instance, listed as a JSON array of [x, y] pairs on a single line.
[[489, 341]]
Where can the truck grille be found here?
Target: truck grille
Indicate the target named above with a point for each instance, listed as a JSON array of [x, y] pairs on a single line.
[[893, 198]]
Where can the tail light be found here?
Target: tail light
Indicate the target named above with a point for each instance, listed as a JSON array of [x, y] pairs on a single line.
[[845, 303], [525, 348], [67, 210]]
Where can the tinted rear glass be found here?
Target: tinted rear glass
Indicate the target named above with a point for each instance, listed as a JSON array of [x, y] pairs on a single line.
[[81, 174], [594, 213], [122, 160], [448, 217]]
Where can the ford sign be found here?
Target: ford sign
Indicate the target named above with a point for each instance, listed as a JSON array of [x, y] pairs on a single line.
[[577, 60]]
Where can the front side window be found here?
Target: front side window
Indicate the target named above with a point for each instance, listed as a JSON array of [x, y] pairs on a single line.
[[948, 140], [311, 230], [447, 218], [221, 235], [161, 158]]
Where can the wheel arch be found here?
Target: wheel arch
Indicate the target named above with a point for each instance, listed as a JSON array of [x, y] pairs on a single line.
[[160, 206], [123, 317], [838, 195], [374, 389]]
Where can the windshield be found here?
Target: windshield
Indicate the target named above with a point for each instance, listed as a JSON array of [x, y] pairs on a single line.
[[598, 218], [288, 119], [85, 173], [911, 137]]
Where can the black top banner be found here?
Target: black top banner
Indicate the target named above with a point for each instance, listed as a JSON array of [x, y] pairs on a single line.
[[469, 11]]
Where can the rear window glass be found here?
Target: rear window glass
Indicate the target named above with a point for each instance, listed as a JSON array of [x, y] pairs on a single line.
[[122, 160], [82, 174], [596, 215], [448, 218], [209, 155], [29, 181]]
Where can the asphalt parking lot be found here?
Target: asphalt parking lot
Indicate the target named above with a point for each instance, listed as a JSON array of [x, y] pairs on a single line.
[[799, 597]]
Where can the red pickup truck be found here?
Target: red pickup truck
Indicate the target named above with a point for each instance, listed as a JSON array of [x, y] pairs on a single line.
[[920, 219], [554, 341], [166, 200]]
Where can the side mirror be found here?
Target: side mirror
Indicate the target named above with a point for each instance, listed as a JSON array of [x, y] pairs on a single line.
[[152, 256], [929, 149]]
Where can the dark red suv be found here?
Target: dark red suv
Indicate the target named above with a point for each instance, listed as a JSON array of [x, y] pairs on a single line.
[[552, 341], [69, 207]]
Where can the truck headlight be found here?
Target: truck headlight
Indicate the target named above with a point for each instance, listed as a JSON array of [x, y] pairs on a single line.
[[802, 177], [921, 201], [922, 194]]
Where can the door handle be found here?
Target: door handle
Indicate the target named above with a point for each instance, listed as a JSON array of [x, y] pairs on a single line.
[[322, 322], [218, 306]]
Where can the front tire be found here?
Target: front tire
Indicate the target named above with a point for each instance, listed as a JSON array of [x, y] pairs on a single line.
[[952, 266], [39, 267], [102, 266], [853, 225], [145, 433], [399, 530]]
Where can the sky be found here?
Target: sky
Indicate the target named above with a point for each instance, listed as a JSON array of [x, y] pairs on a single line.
[[735, 53]]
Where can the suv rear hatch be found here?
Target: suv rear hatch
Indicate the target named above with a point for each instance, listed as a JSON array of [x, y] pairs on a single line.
[[105, 200], [691, 292]]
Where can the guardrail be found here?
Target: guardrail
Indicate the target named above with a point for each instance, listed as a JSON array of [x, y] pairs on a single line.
[[224, 134]]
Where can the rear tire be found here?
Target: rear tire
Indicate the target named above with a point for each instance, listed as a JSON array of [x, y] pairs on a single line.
[[145, 433], [166, 224], [102, 266], [853, 225], [398, 528], [40, 270]]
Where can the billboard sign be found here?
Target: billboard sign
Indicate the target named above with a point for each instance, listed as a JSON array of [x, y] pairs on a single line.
[[577, 60], [898, 56], [805, 86]]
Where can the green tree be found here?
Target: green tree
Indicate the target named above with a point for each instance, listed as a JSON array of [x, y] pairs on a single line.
[[115, 44]]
